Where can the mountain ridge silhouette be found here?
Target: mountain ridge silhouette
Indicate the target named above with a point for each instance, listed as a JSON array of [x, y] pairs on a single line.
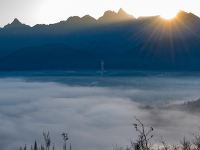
[[118, 17], [122, 41], [15, 24]]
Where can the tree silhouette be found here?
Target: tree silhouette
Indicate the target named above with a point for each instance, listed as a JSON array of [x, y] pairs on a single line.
[[47, 140], [65, 139]]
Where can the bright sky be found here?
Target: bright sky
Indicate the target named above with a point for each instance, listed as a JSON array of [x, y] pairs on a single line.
[[50, 11]]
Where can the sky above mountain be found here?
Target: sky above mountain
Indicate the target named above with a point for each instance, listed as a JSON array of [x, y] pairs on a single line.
[[50, 11]]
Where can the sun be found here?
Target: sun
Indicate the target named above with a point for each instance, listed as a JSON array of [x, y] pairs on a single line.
[[168, 15]]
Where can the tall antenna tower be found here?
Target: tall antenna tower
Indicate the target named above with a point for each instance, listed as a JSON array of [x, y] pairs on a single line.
[[102, 68]]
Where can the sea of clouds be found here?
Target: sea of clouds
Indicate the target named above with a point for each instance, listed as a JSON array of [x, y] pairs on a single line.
[[97, 113]]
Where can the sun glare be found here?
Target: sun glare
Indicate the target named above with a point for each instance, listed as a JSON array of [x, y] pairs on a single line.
[[168, 15]]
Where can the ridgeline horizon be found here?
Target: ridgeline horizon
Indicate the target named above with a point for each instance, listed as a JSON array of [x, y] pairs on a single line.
[[120, 11]]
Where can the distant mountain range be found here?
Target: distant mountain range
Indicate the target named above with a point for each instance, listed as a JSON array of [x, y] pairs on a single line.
[[117, 38]]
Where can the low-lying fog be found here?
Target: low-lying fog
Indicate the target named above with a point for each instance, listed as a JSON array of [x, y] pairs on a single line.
[[97, 112]]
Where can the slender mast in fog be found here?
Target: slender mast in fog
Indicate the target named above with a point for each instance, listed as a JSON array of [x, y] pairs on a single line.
[[102, 68]]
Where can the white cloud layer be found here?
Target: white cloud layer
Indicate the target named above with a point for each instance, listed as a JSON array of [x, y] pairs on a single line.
[[96, 117]]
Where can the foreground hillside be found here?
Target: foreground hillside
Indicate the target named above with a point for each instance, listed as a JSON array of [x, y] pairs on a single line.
[[120, 40]]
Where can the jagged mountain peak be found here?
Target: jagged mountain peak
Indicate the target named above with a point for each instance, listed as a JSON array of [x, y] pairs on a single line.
[[110, 12], [73, 19], [122, 11], [88, 17], [112, 16], [123, 14], [15, 24], [182, 15]]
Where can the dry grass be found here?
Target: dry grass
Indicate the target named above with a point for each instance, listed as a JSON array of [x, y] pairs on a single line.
[[143, 141]]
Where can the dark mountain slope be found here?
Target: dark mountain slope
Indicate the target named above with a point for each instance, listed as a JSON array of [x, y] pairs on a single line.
[[56, 57], [123, 42]]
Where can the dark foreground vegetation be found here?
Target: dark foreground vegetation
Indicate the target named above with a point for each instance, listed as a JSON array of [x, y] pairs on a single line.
[[142, 142]]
